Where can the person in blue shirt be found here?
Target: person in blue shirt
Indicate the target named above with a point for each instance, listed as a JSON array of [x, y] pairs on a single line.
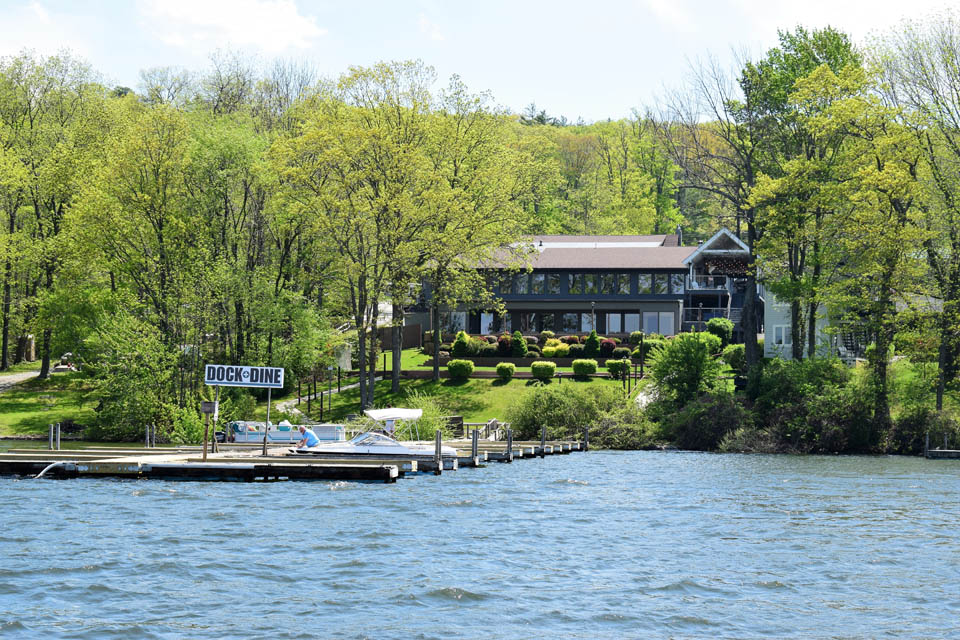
[[308, 439]]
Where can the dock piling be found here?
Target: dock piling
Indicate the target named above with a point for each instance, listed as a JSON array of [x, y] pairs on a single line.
[[438, 452], [474, 443], [509, 445], [543, 441], [586, 438], [58, 436], [50, 443]]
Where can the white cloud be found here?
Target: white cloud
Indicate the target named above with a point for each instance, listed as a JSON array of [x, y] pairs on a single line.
[[674, 13], [30, 25], [272, 26], [430, 29]]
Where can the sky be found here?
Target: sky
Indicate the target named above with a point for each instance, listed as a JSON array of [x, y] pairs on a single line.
[[579, 59]]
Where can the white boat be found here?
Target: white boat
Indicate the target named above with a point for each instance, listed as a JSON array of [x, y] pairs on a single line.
[[283, 433], [372, 443]]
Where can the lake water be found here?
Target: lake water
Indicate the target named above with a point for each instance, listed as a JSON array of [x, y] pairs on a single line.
[[604, 544]]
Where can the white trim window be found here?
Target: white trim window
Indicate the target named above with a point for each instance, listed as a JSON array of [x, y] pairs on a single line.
[[782, 334]]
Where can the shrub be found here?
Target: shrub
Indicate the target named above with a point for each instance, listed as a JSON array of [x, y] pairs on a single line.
[[606, 348], [491, 339], [722, 328], [713, 342], [575, 350], [546, 335], [909, 431], [531, 354], [591, 346], [549, 352], [505, 345], [615, 340], [563, 350], [584, 367], [531, 339], [543, 370], [519, 346], [570, 339], [506, 370], [552, 342], [735, 356], [703, 423], [460, 369], [649, 345], [620, 353], [445, 347], [682, 368], [488, 351], [464, 345], [564, 409], [635, 337], [532, 348], [618, 368]]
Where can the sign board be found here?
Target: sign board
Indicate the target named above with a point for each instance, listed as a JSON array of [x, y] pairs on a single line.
[[208, 407], [228, 375]]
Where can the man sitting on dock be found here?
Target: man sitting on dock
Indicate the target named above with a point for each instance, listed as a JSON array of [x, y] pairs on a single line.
[[309, 438]]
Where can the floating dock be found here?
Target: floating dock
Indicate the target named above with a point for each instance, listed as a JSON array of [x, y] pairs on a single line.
[[242, 463]]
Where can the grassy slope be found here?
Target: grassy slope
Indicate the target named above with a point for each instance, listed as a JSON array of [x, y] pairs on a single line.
[[30, 406]]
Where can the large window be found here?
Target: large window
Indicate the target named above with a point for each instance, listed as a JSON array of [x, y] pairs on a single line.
[[631, 322], [608, 283], [575, 283], [644, 283], [539, 283], [487, 323], [553, 283], [666, 323], [528, 322], [586, 322], [453, 321], [661, 322], [569, 323], [590, 286], [660, 283], [549, 322], [676, 283], [613, 323], [623, 284], [521, 284]]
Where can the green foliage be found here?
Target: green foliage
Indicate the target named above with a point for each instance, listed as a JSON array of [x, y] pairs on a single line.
[[584, 367], [506, 370], [722, 328], [460, 369], [647, 347], [505, 345], [607, 347], [543, 370], [549, 352], [519, 345], [703, 423], [545, 336], [187, 427], [575, 350], [734, 355], [433, 419], [618, 368], [564, 409], [635, 337], [909, 432], [683, 367], [620, 353], [463, 346], [591, 346]]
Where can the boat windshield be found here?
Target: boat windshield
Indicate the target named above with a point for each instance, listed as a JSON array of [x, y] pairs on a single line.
[[374, 439]]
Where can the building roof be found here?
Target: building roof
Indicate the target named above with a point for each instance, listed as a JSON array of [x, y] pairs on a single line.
[[611, 257]]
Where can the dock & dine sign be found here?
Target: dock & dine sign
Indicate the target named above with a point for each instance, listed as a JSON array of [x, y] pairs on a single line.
[[228, 375]]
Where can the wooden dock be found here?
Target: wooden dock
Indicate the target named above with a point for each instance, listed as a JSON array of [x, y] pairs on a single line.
[[247, 464], [943, 454]]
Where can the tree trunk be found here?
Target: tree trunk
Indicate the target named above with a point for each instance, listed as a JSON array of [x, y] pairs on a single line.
[[437, 337], [45, 362], [396, 347], [796, 330], [749, 319]]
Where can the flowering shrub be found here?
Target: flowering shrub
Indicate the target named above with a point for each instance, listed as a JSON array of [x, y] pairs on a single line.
[[570, 339], [505, 345]]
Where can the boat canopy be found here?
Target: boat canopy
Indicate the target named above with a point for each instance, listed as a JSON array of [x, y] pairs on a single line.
[[383, 415]]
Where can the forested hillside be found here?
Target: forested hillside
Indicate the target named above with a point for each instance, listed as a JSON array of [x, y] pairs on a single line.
[[261, 214]]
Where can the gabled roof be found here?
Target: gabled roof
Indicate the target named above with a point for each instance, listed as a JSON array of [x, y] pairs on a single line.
[[723, 242]]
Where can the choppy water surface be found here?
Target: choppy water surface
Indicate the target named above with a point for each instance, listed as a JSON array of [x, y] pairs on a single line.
[[618, 545]]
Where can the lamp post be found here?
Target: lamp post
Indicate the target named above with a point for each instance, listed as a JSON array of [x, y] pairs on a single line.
[[700, 318], [593, 316]]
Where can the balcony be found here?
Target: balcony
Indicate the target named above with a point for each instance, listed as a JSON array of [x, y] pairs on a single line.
[[708, 283], [698, 315]]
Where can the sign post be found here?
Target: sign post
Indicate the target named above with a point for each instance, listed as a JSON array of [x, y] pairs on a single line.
[[207, 408], [228, 375]]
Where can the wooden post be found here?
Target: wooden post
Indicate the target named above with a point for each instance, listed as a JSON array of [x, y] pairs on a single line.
[[206, 434], [266, 427], [50, 443], [586, 438], [153, 435], [474, 445], [216, 414], [543, 441], [308, 397], [147, 435], [642, 354], [338, 379], [438, 452], [299, 393], [509, 445], [58, 437], [926, 445]]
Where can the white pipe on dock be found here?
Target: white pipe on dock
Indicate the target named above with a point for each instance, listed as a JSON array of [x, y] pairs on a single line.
[[52, 465]]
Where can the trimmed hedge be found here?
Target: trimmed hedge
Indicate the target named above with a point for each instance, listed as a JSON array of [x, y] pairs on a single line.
[[506, 370], [606, 347], [620, 353], [543, 370], [460, 369], [649, 344], [519, 346], [576, 351], [735, 356], [584, 367], [618, 368], [722, 328]]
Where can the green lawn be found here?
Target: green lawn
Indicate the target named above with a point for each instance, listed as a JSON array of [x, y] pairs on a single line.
[[30, 406], [476, 399]]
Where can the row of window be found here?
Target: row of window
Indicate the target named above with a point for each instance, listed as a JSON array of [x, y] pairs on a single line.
[[530, 322], [604, 284]]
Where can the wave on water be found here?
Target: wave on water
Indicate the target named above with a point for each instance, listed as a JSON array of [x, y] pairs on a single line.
[[571, 481], [456, 594]]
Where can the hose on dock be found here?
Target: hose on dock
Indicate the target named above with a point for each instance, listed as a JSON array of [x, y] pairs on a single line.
[[52, 465]]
